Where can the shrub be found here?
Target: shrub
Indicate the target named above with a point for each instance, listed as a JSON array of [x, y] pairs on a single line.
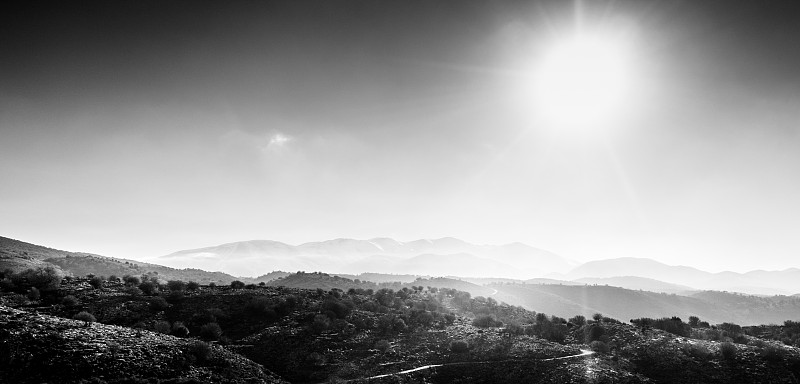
[[133, 291], [158, 304], [162, 326], [69, 301], [599, 346], [773, 354], [44, 278], [33, 294], [236, 284], [86, 317], [96, 282], [210, 331], [113, 278], [212, 285], [200, 351], [728, 350], [382, 345], [694, 321], [131, 280], [7, 284], [697, 351], [176, 285], [192, 286], [179, 329], [578, 320], [148, 287], [459, 346], [485, 321], [594, 332], [320, 323]]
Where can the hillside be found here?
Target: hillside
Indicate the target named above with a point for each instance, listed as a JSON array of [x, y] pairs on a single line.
[[624, 304], [39, 348], [786, 282], [18, 255]]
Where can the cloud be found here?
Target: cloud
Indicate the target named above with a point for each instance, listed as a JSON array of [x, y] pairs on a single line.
[[278, 140]]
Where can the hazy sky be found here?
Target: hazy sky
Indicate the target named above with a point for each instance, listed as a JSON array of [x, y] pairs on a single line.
[[136, 129]]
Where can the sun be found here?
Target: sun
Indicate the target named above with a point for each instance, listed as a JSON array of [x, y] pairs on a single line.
[[583, 82]]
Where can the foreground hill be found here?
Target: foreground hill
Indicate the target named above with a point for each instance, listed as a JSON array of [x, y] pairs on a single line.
[[18, 255], [445, 256], [39, 348]]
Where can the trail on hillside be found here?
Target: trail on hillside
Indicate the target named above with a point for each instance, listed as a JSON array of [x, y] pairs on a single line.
[[584, 352]]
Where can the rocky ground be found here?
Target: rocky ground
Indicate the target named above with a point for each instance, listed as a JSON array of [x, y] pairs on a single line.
[[38, 348]]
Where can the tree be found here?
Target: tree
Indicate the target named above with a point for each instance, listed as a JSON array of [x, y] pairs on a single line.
[[694, 321], [96, 282], [236, 284], [176, 285]]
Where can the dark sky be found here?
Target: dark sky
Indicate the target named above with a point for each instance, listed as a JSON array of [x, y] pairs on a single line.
[[139, 128]]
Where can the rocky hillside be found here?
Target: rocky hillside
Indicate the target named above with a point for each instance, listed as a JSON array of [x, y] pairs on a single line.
[[39, 348]]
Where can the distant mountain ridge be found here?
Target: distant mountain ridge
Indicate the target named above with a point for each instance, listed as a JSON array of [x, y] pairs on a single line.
[[439, 257], [754, 282]]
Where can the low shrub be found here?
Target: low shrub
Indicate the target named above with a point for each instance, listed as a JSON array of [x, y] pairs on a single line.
[[179, 329], [162, 326], [201, 351], [86, 317], [459, 346], [599, 346], [69, 301], [728, 351], [382, 345], [210, 331]]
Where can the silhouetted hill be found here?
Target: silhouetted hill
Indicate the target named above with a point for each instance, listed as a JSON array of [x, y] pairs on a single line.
[[753, 282], [634, 282], [18, 255], [382, 255], [625, 304]]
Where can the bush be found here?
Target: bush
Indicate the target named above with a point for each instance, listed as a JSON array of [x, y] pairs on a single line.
[[158, 304], [728, 350], [131, 280], [578, 320], [96, 282], [200, 351], [594, 333], [599, 346], [320, 323], [485, 321], [86, 317], [162, 326], [773, 354], [179, 329], [697, 351], [382, 345], [694, 321], [33, 294], [176, 285], [44, 278], [210, 331], [236, 284], [148, 287], [69, 301], [459, 346], [192, 286]]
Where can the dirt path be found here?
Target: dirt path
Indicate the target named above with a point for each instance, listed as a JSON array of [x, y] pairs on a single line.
[[584, 352]]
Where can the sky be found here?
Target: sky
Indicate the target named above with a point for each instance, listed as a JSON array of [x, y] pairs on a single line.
[[137, 129]]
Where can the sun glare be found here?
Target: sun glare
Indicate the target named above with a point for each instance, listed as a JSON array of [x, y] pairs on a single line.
[[582, 82]]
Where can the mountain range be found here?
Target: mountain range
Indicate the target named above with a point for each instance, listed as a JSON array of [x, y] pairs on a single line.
[[438, 257]]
